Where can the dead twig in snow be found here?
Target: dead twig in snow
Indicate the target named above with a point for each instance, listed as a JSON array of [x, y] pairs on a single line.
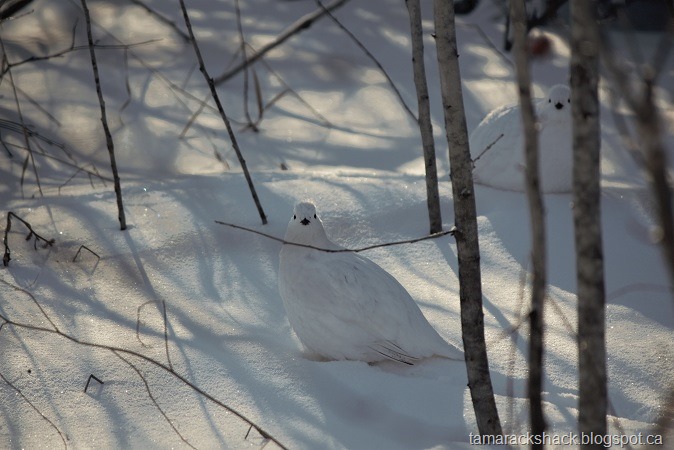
[[104, 120], [92, 377], [5, 240], [154, 400], [25, 399], [155, 363], [300, 25], [221, 110]]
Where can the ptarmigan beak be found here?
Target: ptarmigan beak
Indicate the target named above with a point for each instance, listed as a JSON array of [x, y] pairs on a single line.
[[559, 105], [305, 221]]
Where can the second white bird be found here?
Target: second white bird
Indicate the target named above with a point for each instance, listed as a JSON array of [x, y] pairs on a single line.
[[497, 145]]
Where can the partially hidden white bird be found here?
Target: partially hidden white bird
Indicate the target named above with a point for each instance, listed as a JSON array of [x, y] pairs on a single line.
[[344, 306], [497, 145]]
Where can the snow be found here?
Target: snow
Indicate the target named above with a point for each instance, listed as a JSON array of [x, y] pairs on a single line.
[[227, 332]]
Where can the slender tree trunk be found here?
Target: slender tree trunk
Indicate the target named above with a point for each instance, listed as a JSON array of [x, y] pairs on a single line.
[[424, 121], [537, 213], [649, 126], [465, 217], [592, 403]]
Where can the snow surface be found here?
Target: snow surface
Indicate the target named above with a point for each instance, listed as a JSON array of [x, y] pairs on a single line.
[[226, 328]]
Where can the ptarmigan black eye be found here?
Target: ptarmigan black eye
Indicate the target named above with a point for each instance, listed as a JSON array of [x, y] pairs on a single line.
[[294, 217], [315, 216]]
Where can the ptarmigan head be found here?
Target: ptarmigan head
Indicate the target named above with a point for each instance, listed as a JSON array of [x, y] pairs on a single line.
[[559, 97], [557, 106], [305, 226]]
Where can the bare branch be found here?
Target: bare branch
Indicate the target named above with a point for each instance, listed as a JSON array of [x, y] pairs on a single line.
[[23, 124], [104, 120], [341, 250], [221, 110], [166, 346], [487, 149], [154, 400], [242, 49], [6, 258], [23, 396], [376, 62], [155, 363], [537, 217], [300, 25]]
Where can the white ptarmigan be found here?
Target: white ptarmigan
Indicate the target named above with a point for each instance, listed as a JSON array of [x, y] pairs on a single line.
[[499, 160], [344, 306]]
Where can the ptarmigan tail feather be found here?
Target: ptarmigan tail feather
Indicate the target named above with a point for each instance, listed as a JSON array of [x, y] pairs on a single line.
[[394, 352]]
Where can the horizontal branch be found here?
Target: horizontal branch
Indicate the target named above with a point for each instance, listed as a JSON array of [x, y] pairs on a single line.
[[341, 250]]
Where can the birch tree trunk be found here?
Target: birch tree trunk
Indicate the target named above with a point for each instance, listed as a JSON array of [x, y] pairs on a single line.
[[424, 120], [592, 403], [537, 216], [465, 217]]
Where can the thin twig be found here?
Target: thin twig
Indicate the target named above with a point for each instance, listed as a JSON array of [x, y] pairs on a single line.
[[277, 97], [340, 250], [22, 128], [295, 94], [300, 25], [73, 48], [487, 149], [23, 124], [369, 54], [221, 110], [104, 120], [34, 300], [138, 310], [154, 400], [23, 396], [84, 247], [166, 346], [245, 67], [5, 240], [157, 364], [92, 377]]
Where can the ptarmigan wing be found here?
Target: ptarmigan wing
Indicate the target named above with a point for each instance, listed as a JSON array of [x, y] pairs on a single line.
[[372, 299]]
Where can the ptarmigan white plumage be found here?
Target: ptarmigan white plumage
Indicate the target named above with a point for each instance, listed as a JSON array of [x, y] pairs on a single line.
[[344, 306], [499, 161]]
